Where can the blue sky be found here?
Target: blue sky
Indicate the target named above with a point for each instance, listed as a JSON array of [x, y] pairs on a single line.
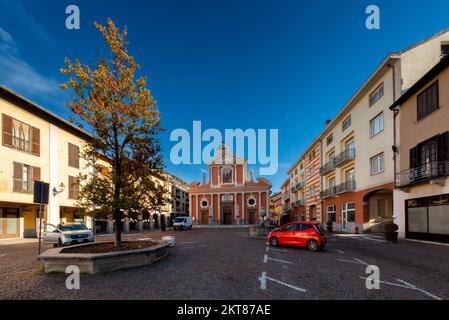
[[285, 64]]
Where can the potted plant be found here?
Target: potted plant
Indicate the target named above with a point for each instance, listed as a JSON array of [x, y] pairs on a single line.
[[330, 226], [391, 231]]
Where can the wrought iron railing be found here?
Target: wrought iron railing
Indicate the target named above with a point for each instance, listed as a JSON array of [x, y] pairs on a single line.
[[328, 167], [345, 187], [331, 192], [432, 170], [286, 209], [21, 144], [298, 186], [345, 156]]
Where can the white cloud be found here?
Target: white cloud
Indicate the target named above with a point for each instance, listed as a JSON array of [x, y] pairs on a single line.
[[16, 74]]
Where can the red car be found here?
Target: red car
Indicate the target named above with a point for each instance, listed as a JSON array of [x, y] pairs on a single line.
[[301, 234]]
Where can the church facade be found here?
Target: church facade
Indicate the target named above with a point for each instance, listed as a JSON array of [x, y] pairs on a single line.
[[229, 197]]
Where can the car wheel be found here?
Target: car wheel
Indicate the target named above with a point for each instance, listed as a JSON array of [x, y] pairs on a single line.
[[274, 242], [312, 246]]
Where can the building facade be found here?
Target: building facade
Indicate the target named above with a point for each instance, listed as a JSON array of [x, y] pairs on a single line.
[[421, 198], [37, 146], [276, 207], [358, 164], [297, 190], [229, 197]]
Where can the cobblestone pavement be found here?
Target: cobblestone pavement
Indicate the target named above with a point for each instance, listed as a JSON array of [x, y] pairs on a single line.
[[227, 264]]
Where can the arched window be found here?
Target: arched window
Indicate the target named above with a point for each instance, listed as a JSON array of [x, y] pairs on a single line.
[[227, 174]]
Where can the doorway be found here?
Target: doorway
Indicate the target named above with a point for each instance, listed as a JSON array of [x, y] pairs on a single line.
[[205, 217], [9, 223], [227, 214], [252, 217], [347, 215]]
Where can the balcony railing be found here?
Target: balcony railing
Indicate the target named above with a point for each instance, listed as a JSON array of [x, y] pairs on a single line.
[[430, 171], [328, 193], [298, 203], [298, 186], [348, 186], [286, 196], [328, 167], [21, 144], [345, 157], [286, 209]]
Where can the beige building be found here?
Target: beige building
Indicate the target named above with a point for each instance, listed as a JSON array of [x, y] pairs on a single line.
[[276, 207], [357, 168], [421, 200], [36, 146], [297, 189]]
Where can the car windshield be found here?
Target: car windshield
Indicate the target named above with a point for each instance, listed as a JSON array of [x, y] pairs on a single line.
[[179, 219], [73, 227]]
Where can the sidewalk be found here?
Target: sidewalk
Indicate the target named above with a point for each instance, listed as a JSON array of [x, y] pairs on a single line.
[[6, 242]]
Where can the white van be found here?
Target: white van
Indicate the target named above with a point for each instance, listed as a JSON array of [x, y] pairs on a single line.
[[183, 223]]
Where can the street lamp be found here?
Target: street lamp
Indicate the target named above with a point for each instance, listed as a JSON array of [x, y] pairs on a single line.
[[61, 189]]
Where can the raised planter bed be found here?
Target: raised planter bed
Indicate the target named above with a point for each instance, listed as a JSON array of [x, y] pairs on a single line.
[[58, 259]]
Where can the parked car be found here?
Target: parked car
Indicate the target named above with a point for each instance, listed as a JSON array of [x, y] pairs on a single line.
[[183, 223], [67, 234], [301, 234]]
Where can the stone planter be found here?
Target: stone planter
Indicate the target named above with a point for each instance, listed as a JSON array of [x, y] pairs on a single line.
[[56, 262]]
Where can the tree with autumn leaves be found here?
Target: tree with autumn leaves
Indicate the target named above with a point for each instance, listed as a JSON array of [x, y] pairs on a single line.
[[114, 104]]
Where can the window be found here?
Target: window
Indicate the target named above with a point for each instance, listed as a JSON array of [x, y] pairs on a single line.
[[301, 166], [350, 145], [312, 191], [332, 214], [331, 183], [329, 139], [445, 48], [346, 123], [350, 175], [74, 187], [227, 175], [296, 171], [204, 203], [24, 177], [251, 202], [20, 136], [376, 95], [377, 164], [428, 101], [376, 125], [331, 156], [74, 156], [349, 211]]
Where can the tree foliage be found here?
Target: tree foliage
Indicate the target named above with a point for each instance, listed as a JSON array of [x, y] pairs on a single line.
[[114, 104]]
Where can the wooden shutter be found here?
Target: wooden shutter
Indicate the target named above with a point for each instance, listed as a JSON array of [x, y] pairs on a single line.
[[17, 177], [74, 156], [35, 176], [6, 130], [35, 141], [71, 189]]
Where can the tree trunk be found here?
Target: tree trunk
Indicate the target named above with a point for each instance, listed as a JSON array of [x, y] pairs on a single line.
[[119, 227], [118, 174]]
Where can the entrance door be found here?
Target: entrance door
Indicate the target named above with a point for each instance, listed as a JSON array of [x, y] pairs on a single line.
[[227, 214], [347, 215], [252, 217], [9, 223], [205, 217]]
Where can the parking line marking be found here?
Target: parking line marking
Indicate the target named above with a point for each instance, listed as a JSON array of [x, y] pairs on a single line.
[[278, 250], [263, 281], [282, 261], [420, 290], [287, 285], [406, 285], [265, 259], [362, 262], [355, 261]]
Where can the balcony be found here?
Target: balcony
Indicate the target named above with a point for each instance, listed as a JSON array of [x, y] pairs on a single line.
[[298, 203], [328, 167], [423, 174], [345, 157], [286, 197], [331, 192], [286, 209], [298, 186], [348, 186]]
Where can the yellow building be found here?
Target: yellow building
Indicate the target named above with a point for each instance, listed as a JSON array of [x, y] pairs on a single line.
[[36, 146]]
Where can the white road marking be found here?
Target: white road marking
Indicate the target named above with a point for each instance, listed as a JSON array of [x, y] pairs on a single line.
[[420, 290], [286, 284], [339, 251], [265, 259], [277, 260], [263, 281], [406, 285], [355, 261], [277, 250]]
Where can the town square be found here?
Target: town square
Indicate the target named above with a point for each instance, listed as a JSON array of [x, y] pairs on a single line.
[[234, 151]]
